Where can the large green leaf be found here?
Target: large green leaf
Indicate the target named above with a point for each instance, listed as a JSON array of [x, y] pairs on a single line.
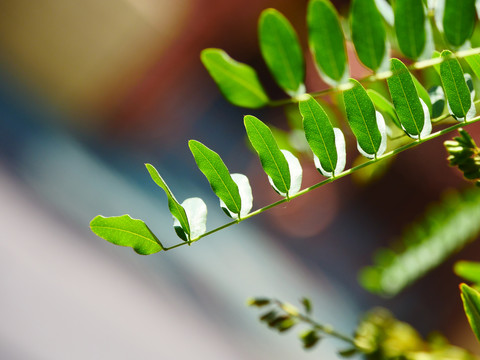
[[414, 116], [456, 89], [321, 137], [176, 209], [282, 52], [125, 231], [471, 305], [368, 33], [217, 174], [468, 270], [327, 41], [364, 121], [410, 27], [238, 82], [272, 159], [458, 20]]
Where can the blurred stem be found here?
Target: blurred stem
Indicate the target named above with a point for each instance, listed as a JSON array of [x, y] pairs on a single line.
[[375, 77]]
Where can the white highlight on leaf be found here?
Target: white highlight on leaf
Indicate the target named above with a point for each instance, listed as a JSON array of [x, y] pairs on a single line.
[[427, 124], [472, 111], [386, 10], [385, 64], [196, 211], [295, 174], [341, 155], [297, 93], [329, 80], [439, 10], [429, 47], [246, 196], [382, 128]]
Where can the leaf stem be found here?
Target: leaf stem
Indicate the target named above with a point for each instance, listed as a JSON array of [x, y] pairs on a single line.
[[386, 155], [375, 77]]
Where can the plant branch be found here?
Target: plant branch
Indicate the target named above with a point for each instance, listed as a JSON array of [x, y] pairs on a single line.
[[387, 155], [375, 77]]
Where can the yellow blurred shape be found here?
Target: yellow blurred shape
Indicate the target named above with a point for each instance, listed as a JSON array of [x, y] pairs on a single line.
[[84, 54]]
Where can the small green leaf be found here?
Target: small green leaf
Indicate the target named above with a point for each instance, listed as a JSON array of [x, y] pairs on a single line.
[[412, 111], [327, 42], [125, 231], [384, 106], [258, 302], [368, 33], [437, 97], [348, 352], [176, 209], [282, 52], [367, 125], [468, 270], [307, 304], [238, 82], [471, 305], [474, 63], [246, 196], [410, 27], [217, 174], [458, 21], [273, 160], [456, 89], [322, 138], [309, 338]]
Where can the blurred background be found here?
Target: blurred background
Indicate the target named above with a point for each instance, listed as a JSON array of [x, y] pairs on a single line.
[[89, 92]]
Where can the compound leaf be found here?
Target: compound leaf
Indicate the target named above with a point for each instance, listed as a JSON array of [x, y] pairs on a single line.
[[413, 115], [282, 52], [273, 160], [471, 305], [327, 41], [410, 27], [238, 82], [364, 121], [177, 210], [458, 21], [217, 174], [321, 136], [455, 86], [368, 33], [125, 231]]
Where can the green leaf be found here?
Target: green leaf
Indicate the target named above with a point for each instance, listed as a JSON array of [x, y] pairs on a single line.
[[282, 52], [468, 270], [423, 94], [414, 116], [307, 304], [368, 33], [238, 82], [471, 305], [474, 63], [367, 125], [446, 228], [273, 160], [217, 174], [327, 42], [384, 106], [456, 89], [125, 231], [246, 196], [322, 137], [309, 338], [176, 209], [458, 21], [410, 27], [437, 97]]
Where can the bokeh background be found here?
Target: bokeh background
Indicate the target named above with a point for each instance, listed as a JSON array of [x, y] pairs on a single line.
[[89, 92]]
